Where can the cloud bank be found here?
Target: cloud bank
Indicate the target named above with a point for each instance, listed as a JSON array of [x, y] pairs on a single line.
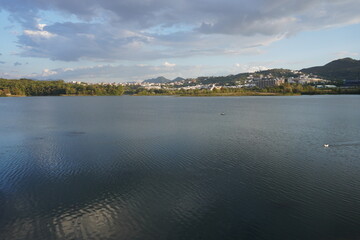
[[111, 30], [139, 72], [123, 73]]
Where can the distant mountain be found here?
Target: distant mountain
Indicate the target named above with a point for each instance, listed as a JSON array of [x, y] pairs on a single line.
[[241, 77], [178, 79], [157, 80], [346, 68]]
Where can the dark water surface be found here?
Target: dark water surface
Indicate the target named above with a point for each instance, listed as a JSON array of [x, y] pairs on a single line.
[[175, 168]]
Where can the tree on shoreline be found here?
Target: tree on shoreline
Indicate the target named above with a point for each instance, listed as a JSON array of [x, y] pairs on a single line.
[[27, 87]]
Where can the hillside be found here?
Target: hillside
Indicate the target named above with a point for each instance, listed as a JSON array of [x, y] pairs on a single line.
[[241, 77], [157, 80], [341, 69], [178, 79]]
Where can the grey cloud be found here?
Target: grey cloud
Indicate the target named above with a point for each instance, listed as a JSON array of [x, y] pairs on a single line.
[[213, 15], [72, 41], [281, 17], [100, 32], [17, 64], [2, 62]]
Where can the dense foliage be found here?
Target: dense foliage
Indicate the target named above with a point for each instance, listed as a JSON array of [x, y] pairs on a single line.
[[26, 87]]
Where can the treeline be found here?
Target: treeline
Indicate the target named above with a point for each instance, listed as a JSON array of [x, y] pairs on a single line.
[[27, 87], [293, 88]]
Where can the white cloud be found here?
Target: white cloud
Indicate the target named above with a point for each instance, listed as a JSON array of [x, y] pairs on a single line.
[[167, 64], [41, 26], [41, 34], [248, 68], [48, 72]]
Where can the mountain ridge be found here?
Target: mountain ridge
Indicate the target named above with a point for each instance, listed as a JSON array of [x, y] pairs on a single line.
[[160, 79], [340, 69]]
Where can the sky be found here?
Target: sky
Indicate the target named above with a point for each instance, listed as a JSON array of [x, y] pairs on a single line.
[[133, 40]]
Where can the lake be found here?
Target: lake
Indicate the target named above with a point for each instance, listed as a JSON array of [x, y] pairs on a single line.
[[176, 168]]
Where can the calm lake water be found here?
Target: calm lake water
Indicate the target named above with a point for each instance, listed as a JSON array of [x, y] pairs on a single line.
[[175, 168]]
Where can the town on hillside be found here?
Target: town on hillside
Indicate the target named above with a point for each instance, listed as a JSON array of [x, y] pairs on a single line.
[[340, 73], [341, 76], [262, 79]]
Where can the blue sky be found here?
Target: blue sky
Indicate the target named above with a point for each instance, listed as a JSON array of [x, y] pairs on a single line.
[[133, 40]]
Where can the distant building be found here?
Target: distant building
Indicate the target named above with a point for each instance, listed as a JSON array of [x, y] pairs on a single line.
[[263, 83], [291, 80], [325, 86], [152, 87]]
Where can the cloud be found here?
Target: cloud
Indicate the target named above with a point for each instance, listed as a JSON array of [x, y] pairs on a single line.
[[126, 73], [110, 30], [47, 73], [167, 64], [38, 34], [17, 64], [88, 41], [249, 68], [2, 62], [73, 41]]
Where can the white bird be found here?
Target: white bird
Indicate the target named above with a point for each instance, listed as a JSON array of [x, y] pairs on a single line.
[[326, 145]]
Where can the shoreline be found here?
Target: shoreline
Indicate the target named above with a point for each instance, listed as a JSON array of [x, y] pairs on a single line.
[[194, 95]]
